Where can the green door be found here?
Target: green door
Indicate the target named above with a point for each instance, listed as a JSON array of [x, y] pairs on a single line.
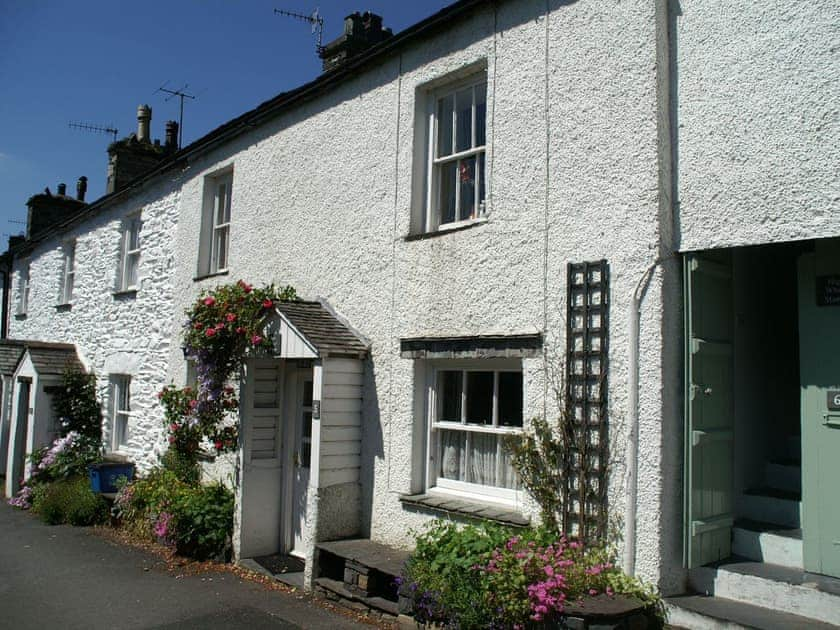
[[708, 408], [819, 339]]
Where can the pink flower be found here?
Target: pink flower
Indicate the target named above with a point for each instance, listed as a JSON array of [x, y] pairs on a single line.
[[219, 326], [239, 330], [218, 444], [210, 332], [193, 404], [592, 591], [256, 339], [173, 427], [198, 325], [230, 317], [209, 300], [267, 303]]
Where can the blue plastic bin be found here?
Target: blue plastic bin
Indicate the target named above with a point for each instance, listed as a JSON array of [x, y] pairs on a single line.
[[103, 477]]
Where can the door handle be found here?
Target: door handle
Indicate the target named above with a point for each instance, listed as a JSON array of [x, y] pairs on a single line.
[[831, 420], [297, 459]]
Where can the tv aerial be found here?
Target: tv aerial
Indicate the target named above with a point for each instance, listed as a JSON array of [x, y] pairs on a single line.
[[95, 128], [314, 19], [181, 94]]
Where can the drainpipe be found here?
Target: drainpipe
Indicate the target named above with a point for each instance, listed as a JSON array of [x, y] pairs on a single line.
[[632, 489]]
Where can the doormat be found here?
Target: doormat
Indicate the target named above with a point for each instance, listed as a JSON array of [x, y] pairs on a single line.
[[279, 564]]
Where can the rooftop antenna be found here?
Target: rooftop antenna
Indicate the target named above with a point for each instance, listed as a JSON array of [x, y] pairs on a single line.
[[95, 128], [182, 95], [314, 19]]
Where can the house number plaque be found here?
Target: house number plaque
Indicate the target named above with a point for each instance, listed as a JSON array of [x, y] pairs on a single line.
[[828, 290], [316, 409], [833, 401]]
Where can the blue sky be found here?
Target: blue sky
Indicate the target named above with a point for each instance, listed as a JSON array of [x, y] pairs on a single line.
[[95, 61]]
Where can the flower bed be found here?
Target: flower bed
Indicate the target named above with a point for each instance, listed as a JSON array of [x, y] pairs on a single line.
[[485, 576]]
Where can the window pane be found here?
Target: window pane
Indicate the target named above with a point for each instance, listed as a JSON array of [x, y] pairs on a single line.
[[220, 249], [480, 115], [307, 393], [506, 476], [123, 399], [466, 180], [452, 460], [131, 270], [450, 386], [482, 177], [223, 207], [463, 103], [306, 429], [510, 399], [134, 235], [482, 459], [448, 177], [480, 398], [444, 125]]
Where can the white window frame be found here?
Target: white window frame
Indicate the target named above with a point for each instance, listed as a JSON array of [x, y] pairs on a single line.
[[68, 277], [130, 256], [214, 245], [436, 162], [120, 411], [440, 485], [23, 290]]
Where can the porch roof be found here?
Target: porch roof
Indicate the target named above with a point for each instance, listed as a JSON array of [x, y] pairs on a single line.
[[10, 353], [322, 329], [49, 358]]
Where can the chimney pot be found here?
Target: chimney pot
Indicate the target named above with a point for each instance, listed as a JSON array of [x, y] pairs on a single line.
[[144, 119], [62, 189], [171, 141], [81, 188]]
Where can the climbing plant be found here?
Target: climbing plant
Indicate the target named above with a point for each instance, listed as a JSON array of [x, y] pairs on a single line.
[[223, 326]]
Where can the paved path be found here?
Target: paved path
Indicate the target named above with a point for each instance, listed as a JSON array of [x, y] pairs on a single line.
[[67, 578]]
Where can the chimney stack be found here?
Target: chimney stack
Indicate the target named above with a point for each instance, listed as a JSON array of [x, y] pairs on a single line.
[[171, 141], [361, 31], [81, 188], [144, 119], [62, 189]]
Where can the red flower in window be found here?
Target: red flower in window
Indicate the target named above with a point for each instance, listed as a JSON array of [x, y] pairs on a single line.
[[465, 172]]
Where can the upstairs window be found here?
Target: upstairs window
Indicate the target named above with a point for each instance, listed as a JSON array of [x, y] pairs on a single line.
[[23, 290], [68, 273], [456, 186], [215, 236], [129, 255]]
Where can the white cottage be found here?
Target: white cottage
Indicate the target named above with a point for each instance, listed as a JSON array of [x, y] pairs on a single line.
[[642, 195]]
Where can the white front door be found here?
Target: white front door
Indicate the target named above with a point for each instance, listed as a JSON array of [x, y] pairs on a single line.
[[301, 459]]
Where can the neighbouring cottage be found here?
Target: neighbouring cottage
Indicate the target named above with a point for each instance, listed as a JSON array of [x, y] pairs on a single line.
[[640, 195]]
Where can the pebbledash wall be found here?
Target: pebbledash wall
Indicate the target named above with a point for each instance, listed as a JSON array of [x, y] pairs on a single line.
[[324, 195], [115, 333]]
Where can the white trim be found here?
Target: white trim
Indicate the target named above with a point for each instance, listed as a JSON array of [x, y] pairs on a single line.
[[130, 257], [120, 417]]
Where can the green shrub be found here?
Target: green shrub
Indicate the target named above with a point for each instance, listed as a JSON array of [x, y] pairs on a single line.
[[185, 466], [203, 521], [76, 405], [69, 501]]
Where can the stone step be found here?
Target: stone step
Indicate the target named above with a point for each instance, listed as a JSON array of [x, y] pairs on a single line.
[[766, 542], [699, 612], [784, 474], [771, 505], [770, 586]]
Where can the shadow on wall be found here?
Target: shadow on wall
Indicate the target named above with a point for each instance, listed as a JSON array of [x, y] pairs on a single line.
[[372, 445]]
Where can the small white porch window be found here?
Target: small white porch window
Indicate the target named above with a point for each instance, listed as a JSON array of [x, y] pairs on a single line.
[[68, 272], [456, 186], [215, 236], [23, 290], [120, 410], [129, 254], [471, 411]]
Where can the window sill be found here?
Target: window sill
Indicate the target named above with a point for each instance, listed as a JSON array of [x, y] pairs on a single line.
[[63, 308], [215, 274], [463, 507], [447, 229], [126, 294]]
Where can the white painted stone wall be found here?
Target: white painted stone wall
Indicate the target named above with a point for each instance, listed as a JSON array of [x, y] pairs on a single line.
[[759, 123], [323, 196], [114, 334]]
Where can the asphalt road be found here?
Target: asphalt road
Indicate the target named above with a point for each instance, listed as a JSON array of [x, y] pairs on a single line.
[[65, 577]]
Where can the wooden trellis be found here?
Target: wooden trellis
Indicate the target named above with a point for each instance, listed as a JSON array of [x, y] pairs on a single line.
[[585, 426]]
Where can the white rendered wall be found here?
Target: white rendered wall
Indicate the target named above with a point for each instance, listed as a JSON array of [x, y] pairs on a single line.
[[114, 334], [322, 200], [759, 128]]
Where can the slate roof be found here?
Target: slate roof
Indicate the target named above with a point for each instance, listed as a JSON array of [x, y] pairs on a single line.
[[329, 335], [10, 353]]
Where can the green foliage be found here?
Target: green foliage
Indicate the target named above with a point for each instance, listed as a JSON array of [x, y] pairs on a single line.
[[197, 519], [69, 501], [486, 575], [203, 521], [184, 466], [537, 457], [76, 405]]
